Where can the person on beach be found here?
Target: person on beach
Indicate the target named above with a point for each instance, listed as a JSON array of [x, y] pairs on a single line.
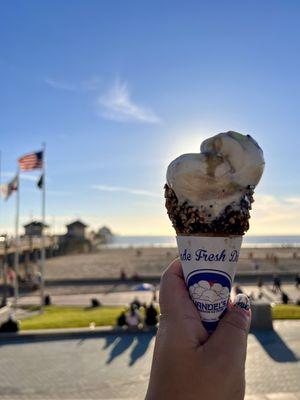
[[123, 275], [284, 298], [154, 295], [11, 276], [188, 364], [297, 281], [260, 287], [276, 284]]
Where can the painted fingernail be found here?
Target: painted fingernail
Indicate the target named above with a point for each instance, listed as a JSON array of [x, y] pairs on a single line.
[[242, 301]]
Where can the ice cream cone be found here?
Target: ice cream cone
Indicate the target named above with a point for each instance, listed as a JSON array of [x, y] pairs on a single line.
[[209, 264], [209, 196]]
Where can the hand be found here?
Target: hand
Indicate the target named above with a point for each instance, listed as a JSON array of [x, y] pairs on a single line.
[[189, 364]]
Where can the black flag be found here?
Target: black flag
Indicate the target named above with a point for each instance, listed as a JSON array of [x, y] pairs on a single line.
[[40, 182]]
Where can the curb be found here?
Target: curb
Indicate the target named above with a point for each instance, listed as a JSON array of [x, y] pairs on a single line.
[[70, 333]]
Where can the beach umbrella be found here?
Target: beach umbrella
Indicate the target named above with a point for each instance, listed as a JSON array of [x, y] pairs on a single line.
[[143, 287]]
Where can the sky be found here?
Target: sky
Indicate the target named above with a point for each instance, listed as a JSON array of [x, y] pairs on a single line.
[[118, 89]]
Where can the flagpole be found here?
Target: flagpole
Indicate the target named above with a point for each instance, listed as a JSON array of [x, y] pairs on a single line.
[[4, 271], [0, 179], [43, 250], [4, 265], [17, 243]]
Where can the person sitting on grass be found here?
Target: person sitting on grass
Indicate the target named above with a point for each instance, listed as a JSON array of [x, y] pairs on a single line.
[[136, 302], [11, 325], [121, 320], [151, 316], [284, 298], [133, 318]]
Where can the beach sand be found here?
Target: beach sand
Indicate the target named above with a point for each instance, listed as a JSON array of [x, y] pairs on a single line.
[[151, 261]]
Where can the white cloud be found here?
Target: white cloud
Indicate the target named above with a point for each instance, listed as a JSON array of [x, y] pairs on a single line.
[[117, 105], [50, 192], [28, 177], [138, 192], [275, 215], [86, 85], [25, 177], [60, 84], [294, 201]]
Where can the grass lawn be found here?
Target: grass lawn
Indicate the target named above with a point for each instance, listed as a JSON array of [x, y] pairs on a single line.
[[286, 311], [80, 317], [71, 317]]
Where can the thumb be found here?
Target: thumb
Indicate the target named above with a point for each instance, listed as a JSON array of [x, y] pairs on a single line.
[[177, 307], [230, 337]]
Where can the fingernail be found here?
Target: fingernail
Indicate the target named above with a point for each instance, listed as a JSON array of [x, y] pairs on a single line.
[[242, 301]]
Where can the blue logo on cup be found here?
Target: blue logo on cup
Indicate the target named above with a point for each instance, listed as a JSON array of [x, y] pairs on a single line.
[[210, 292]]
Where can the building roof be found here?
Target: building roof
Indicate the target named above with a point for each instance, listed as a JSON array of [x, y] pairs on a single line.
[[77, 223], [36, 223]]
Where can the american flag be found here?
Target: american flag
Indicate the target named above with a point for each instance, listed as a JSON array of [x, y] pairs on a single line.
[[31, 161]]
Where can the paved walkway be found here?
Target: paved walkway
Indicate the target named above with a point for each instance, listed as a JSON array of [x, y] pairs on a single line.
[[107, 299], [117, 367], [125, 297]]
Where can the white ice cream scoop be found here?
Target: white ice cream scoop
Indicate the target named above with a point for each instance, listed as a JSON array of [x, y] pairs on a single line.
[[228, 163]]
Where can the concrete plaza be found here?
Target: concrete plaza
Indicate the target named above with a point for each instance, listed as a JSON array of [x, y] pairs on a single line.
[[117, 367]]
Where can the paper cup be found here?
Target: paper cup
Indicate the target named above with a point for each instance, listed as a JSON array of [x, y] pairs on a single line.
[[209, 265]]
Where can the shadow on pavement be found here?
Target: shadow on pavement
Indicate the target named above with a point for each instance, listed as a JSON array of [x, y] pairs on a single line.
[[275, 346], [80, 337], [140, 348], [109, 340], [123, 342]]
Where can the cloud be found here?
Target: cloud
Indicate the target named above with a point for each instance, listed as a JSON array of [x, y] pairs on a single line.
[[275, 215], [148, 203], [56, 193], [138, 192], [117, 105], [86, 85], [28, 177], [25, 177], [60, 84], [294, 201]]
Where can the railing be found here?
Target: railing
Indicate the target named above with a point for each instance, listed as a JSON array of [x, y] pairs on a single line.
[[26, 244]]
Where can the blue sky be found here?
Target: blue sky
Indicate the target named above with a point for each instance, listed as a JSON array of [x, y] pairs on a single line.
[[118, 89]]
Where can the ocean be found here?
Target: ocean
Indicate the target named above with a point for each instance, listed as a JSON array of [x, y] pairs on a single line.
[[119, 241]]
